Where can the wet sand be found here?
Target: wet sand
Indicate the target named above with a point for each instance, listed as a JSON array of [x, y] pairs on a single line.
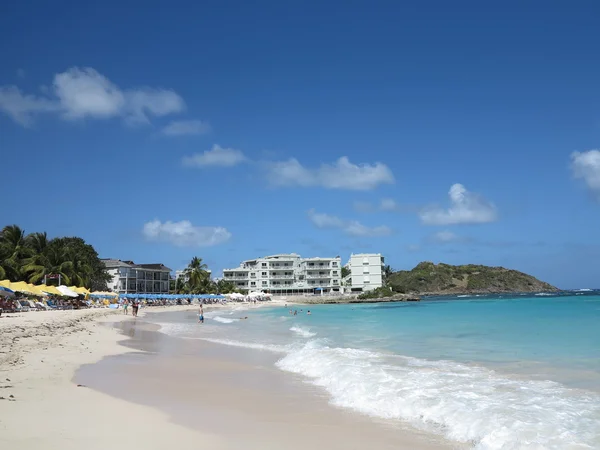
[[236, 394]]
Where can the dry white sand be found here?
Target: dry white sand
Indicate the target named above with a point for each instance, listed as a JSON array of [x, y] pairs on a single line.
[[40, 406]]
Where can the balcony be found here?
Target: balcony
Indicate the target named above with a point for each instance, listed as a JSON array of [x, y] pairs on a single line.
[[314, 276], [236, 277], [281, 276]]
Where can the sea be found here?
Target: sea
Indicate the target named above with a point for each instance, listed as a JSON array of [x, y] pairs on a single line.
[[494, 372]]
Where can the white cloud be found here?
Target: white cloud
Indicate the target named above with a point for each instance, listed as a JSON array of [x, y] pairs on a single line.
[[388, 204], [184, 127], [586, 166], [82, 93], [217, 156], [21, 107], [363, 207], [385, 204], [184, 234], [445, 237], [465, 207], [342, 174], [351, 227]]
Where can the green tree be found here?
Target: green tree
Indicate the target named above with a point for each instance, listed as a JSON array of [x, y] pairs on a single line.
[[13, 250], [53, 260], [386, 273]]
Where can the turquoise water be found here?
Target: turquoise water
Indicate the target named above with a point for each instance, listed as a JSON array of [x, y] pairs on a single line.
[[497, 373]]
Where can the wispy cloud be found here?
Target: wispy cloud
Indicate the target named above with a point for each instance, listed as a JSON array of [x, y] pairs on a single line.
[[186, 127], [184, 234], [342, 174], [586, 166], [350, 227], [446, 237], [465, 208], [385, 205], [217, 156], [85, 93]]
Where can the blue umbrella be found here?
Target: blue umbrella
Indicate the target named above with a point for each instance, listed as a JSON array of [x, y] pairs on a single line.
[[6, 292]]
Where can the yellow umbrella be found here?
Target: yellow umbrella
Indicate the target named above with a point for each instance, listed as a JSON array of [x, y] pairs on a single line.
[[49, 289], [79, 290], [24, 288], [5, 283]]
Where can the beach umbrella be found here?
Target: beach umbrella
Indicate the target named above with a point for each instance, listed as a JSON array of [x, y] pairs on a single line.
[[5, 283], [6, 292], [66, 291], [49, 289], [24, 288]]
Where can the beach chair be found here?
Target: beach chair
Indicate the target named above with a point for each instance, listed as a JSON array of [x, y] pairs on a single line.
[[24, 304]]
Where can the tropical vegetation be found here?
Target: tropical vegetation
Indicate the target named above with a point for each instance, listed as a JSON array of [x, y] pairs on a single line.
[[196, 280], [431, 278], [34, 258]]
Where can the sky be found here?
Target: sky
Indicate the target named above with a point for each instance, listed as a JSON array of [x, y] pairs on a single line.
[[457, 132]]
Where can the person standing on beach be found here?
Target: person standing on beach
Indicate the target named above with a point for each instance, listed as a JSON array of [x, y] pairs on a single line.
[[201, 314], [125, 305]]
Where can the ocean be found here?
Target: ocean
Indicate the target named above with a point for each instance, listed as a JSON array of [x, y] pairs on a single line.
[[495, 372]]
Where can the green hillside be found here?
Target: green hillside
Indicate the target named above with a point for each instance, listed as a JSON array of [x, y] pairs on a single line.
[[430, 278]]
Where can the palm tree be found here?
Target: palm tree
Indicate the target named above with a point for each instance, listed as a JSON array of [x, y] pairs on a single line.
[[53, 261], [196, 272], [386, 273], [12, 249]]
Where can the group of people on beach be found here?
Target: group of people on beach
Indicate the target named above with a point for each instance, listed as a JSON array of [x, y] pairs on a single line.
[[135, 307]]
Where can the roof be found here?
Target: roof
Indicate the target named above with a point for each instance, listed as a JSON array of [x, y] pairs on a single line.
[[153, 266], [114, 263]]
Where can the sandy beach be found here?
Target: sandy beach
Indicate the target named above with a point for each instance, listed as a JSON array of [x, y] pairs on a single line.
[[97, 378]]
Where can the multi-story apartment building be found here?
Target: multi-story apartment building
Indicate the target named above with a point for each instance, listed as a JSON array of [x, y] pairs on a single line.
[[287, 274], [131, 278], [366, 272]]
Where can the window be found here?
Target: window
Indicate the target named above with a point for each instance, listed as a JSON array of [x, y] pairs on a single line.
[[252, 275], [264, 283], [334, 272], [264, 274], [334, 264], [264, 265], [335, 281], [253, 283]]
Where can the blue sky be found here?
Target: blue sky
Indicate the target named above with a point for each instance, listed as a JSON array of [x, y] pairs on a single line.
[[458, 132]]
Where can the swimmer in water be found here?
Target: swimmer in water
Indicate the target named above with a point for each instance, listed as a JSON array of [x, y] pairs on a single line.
[[308, 313]]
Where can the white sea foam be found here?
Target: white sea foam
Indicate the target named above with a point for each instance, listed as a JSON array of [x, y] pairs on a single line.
[[223, 319], [464, 403], [253, 345], [304, 332]]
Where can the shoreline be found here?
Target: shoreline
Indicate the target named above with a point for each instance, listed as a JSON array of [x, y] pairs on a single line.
[[42, 407], [51, 409]]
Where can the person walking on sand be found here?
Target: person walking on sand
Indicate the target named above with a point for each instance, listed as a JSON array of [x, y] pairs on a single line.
[[125, 305]]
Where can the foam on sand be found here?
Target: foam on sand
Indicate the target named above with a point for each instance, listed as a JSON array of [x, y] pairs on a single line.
[[464, 403]]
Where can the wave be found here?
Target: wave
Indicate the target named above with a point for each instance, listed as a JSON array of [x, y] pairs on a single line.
[[253, 345], [304, 332], [464, 403], [223, 319]]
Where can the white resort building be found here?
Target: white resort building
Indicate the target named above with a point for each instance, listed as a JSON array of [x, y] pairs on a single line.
[[366, 272], [287, 274], [131, 278]]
